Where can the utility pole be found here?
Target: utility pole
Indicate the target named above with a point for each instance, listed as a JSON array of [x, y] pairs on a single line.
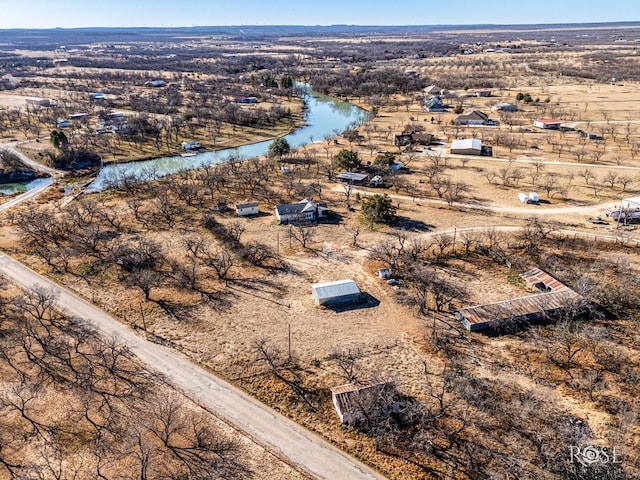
[[289, 341], [278, 243], [454, 239]]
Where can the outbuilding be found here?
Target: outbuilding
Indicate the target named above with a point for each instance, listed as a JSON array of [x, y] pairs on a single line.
[[467, 146], [191, 145], [246, 209], [38, 101], [352, 178], [350, 399], [330, 293], [547, 123]]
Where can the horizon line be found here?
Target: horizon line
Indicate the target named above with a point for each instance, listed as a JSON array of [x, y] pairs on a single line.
[[347, 25]]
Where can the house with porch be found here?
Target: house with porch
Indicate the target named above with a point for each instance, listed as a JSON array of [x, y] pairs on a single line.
[[303, 211]]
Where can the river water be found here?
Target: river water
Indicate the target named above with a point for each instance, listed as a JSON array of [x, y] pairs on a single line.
[[324, 117], [10, 188]]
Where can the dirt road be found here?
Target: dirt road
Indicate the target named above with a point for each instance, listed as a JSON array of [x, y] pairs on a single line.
[[272, 430], [30, 163], [529, 209]]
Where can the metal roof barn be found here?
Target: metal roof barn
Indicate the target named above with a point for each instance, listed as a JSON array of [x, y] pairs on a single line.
[[340, 291], [467, 146]]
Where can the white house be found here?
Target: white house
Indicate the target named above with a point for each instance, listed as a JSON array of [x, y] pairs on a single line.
[[246, 209], [303, 211], [467, 146]]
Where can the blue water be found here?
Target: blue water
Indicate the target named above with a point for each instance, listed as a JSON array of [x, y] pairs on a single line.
[[325, 117], [10, 188]]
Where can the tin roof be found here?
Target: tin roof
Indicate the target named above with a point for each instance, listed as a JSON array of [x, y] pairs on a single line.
[[533, 306], [537, 277], [335, 289], [246, 205], [466, 144], [556, 298], [345, 395], [352, 176], [357, 386]]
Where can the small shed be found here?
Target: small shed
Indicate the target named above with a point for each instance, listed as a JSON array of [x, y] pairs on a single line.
[[350, 399], [246, 209], [548, 123], [384, 273], [192, 145], [155, 83], [482, 92], [505, 107], [467, 146], [38, 101], [341, 291]]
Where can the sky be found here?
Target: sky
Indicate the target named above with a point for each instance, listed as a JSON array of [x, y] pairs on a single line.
[[187, 13]]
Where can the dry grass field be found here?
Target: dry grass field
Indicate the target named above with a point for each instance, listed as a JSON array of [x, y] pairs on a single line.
[[482, 406]]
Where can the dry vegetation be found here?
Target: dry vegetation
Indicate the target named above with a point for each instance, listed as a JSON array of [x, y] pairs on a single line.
[[226, 291], [74, 405]]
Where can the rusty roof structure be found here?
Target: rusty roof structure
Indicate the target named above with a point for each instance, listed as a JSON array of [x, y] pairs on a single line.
[[557, 297], [345, 397]]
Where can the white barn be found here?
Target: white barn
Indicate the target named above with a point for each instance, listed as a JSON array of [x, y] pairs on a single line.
[[341, 291], [467, 146], [245, 209]]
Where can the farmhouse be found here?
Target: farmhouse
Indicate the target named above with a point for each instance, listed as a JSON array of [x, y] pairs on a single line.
[[303, 211], [351, 399], [556, 299], [474, 118], [433, 104], [467, 146], [547, 123], [412, 138], [434, 90], [9, 82], [245, 209]]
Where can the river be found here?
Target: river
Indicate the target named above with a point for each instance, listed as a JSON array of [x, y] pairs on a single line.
[[324, 117], [11, 188]]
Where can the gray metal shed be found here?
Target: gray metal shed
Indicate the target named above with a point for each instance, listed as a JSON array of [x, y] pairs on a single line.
[[341, 291]]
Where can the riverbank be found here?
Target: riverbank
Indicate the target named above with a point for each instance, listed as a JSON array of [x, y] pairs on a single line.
[[324, 118]]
